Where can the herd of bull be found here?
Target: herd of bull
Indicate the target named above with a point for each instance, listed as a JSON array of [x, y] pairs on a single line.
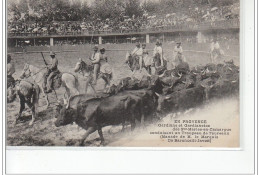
[[142, 100]]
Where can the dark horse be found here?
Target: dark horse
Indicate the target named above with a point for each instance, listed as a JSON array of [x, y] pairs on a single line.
[[133, 63], [157, 64], [87, 71]]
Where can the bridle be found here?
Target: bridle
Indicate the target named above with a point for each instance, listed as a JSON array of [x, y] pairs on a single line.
[[29, 74], [82, 67]]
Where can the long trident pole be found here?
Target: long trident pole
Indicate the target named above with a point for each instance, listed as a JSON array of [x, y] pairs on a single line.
[[44, 60]]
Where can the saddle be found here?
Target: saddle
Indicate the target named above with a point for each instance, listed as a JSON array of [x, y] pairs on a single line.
[[10, 81], [56, 80]]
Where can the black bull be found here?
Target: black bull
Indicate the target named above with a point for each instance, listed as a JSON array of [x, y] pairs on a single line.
[[93, 114]]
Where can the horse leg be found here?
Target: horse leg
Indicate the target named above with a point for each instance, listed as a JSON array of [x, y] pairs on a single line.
[[46, 98], [67, 93], [22, 106], [106, 82], [95, 93], [32, 107], [55, 94], [133, 73]]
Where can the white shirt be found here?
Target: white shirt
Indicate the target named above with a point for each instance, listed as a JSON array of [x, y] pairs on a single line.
[[157, 49], [138, 51], [178, 50], [95, 57], [214, 46]]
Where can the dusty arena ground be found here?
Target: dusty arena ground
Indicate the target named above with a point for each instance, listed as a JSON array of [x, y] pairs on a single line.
[[44, 133]]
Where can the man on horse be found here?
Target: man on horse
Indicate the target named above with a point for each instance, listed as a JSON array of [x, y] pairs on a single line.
[[51, 72], [177, 52], [215, 51], [95, 60], [148, 61], [158, 53], [10, 71], [105, 68], [138, 54]]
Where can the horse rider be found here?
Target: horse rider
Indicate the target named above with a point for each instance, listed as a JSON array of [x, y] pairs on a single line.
[[158, 51], [10, 71], [215, 51], [148, 61], [177, 52], [51, 72], [95, 60], [138, 53], [104, 66]]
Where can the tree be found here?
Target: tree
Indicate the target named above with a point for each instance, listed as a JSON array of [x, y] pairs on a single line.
[[133, 7], [107, 9]]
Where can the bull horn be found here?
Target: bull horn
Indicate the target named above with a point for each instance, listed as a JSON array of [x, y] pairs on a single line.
[[162, 74], [233, 81], [203, 86], [194, 73], [230, 68], [157, 94], [68, 104], [172, 75], [183, 82], [180, 74], [207, 70]]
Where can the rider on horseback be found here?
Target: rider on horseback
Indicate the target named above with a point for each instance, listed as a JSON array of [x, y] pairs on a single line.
[[158, 51], [105, 68], [95, 60], [215, 52], [138, 53], [51, 72], [10, 71], [178, 56], [148, 61]]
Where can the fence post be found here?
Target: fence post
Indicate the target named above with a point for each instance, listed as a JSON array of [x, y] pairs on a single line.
[[51, 42], [147, 38], [99, 40]]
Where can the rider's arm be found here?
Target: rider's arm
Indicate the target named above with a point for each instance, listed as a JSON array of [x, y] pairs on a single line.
[[97, 59], [134, 51]]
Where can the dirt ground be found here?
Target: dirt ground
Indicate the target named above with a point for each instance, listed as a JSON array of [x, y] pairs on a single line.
[[44, 133]]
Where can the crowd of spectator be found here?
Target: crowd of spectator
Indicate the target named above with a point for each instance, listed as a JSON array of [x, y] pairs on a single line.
[[195, 17]]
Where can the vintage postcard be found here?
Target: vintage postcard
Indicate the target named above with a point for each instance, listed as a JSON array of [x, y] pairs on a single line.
[[123, 73]]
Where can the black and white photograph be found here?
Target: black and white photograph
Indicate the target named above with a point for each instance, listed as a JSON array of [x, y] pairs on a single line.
[[123, 73]]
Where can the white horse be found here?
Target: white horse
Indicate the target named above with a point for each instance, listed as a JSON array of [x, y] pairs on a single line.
[[69, 81]]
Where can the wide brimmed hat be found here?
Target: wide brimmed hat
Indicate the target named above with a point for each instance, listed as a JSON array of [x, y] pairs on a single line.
[[157, 43], [102, 49], [95, 47], [52, 53]]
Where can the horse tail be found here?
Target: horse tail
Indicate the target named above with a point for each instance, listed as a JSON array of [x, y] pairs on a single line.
[[76, 83], [36, 94]]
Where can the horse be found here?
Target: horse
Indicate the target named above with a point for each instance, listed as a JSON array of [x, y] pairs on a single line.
[[28, 93], [157, 64], [67, 80], [10, 89], [87, 71], [133, 64]]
